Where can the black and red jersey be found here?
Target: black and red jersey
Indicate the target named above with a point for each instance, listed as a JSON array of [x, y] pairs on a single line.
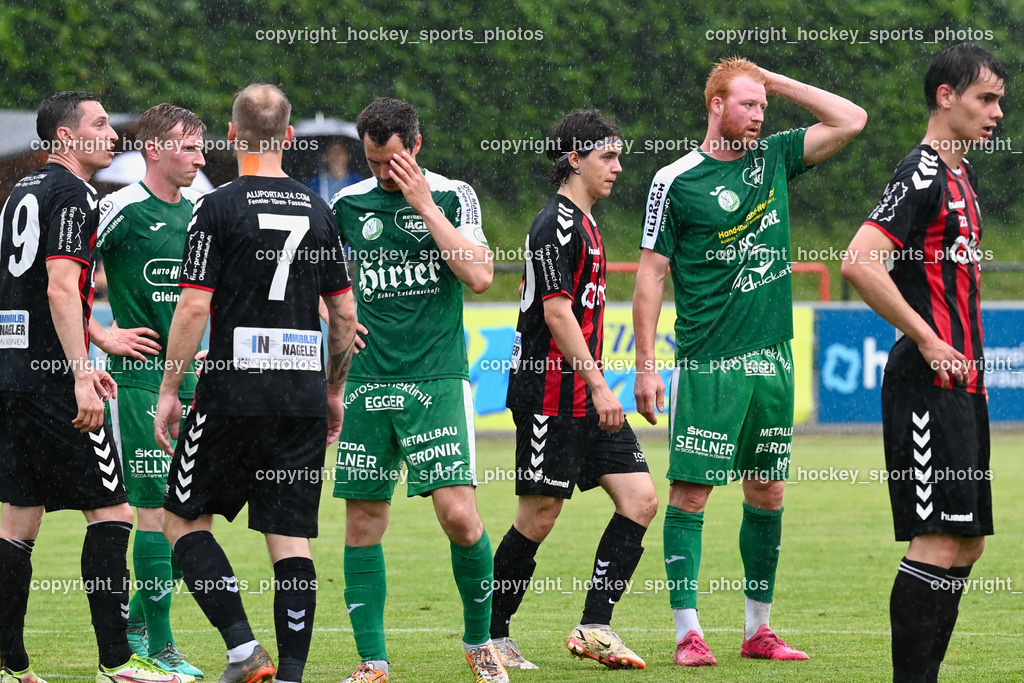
[[564, 257], [267, 248], [51, 214], [931, 212]]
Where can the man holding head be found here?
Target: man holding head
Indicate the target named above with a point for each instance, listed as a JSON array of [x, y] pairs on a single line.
[[260, 253], [57, 451], [418, 242], [719, 218]]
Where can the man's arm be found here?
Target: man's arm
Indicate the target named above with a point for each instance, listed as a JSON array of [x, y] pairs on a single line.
[[472, 263], [341, 336], [92, 386], [566, 332], [864, 268], [187, 328], [648, 387], [117, 342], [840, 118]]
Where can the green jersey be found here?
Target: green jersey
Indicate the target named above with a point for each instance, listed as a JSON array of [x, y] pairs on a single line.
[[141, 239], [724, 226], [408, 298]]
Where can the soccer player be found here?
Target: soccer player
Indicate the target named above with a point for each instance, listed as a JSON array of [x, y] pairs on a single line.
[[719, 218], [260, 251], [934, 406], [418, 241], [141, 239], [570, 428], [56, 449]]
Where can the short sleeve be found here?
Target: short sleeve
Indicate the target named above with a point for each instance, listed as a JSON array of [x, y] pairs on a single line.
[[335, 276], [909, 200], [468, 218], [201, 259], [659, 226], [71, 221], [554, 250], [112, 215], [792, 142]]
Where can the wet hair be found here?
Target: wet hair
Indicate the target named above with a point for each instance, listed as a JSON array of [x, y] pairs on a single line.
[[723, 74], [958, 66], [386, 117], [158, 121], [260, 114], [60, 109], [579, 131]]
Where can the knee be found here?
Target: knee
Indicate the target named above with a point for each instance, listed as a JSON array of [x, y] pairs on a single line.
[[537, 520], [970, 550], [689, 497], [767, 496], [365, 522], [642, 508], [461, 524]]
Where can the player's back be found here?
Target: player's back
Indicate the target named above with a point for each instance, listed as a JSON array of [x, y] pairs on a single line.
[[267, 249], [51, 213]]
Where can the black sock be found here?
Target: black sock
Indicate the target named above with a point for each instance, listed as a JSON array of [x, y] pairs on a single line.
[[209, 576], [106, 580], [949, 608], [513, 569], [15, 579], [617, 556], [913, 611], [294, 606]]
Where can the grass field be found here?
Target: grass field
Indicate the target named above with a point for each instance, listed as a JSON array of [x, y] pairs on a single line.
[[837, 567]]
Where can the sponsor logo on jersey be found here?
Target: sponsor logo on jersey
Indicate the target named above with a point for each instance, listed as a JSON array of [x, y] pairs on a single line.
[[886, 209], [373, 227], [156, 227], [385, 403], [162, 272], [410, 222], [14, 329], [378, 280], [705, 442], [654, 201], [753, 175], [727, 199], [593, 295], [964, 251]]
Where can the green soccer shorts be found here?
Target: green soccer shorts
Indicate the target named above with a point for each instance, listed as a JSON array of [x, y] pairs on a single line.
[[427, 425], [145, 466], [732, 418]]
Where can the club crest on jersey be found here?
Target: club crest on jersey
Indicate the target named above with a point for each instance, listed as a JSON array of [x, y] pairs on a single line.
[[373, 227], [755, 174], [412, 223], [727, 199]]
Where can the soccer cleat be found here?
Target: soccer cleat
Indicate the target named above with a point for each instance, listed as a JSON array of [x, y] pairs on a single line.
[[486, 664], [365, 673], [693, 651], [7, 676], [510, 655], [138, 637], [136, 670], [170, 659], [256, 668], [601, 644], [766, 645], [26, 676]]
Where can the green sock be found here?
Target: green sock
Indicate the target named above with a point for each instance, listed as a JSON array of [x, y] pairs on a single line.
[[135, 611], [760, 538], [682, 541], [473, 567], [152, 557], [366, 586]]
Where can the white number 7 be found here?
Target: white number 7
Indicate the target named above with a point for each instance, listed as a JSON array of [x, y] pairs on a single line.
[[297, 227]]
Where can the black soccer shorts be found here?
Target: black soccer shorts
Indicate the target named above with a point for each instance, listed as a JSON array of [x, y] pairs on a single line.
[[554, 454], [937, 458], [45, 460], [273, 463]]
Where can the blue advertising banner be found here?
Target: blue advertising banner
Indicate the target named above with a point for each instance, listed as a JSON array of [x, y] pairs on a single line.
[[853, 346]]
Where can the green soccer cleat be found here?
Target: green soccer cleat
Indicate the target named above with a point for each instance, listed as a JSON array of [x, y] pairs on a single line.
[[136, 670], [170, 659], [138, 637]]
